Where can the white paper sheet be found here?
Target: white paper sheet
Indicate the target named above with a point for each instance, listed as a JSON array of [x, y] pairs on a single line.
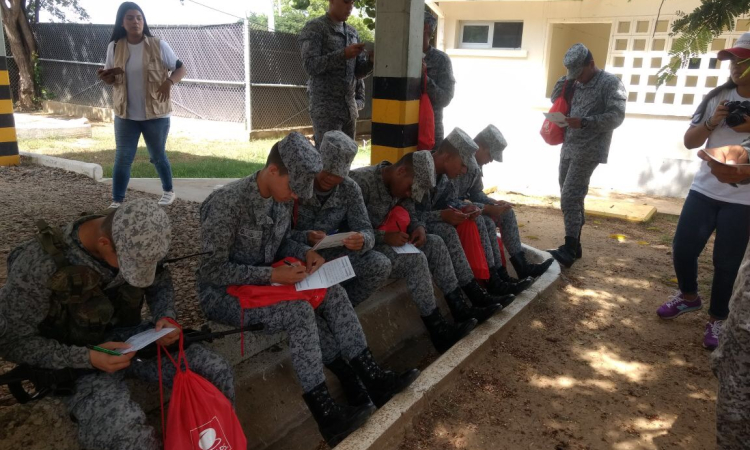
[[406, 249], [141, 340], [332, 272], [334, 240], [557, 118]]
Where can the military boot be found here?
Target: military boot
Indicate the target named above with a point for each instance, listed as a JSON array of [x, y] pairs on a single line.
[[525, 269], [335, 422], [459, 306], [501, 283], [566, 253], [443, 334], [381, 384], [354, 391], [481, 298]]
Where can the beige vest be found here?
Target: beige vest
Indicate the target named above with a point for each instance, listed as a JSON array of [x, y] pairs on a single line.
[[154, 74]]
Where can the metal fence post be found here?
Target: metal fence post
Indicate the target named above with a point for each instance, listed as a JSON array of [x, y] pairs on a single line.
[[248, 87]]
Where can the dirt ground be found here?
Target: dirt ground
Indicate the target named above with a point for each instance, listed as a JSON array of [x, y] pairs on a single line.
[[591, 367]]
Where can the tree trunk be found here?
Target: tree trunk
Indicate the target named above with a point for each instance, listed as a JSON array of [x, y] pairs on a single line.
[[22, 45]]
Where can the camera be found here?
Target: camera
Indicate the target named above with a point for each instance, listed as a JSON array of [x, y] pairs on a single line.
[[737, 112]]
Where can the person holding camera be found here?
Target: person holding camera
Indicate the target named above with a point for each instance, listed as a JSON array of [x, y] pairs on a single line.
[[721, 120]]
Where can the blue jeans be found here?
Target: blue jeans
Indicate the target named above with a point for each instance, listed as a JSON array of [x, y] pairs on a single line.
[[700, 216], [127, 135]]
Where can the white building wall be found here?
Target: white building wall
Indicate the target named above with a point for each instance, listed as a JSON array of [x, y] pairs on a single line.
[[508, 88]]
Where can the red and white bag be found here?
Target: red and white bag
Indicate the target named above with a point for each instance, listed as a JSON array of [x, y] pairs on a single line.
[[551, 132]]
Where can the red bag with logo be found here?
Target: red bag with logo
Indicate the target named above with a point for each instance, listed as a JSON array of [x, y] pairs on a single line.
[[552, 133], [468, 234], [200, 417], [397, 220], [426, 139]]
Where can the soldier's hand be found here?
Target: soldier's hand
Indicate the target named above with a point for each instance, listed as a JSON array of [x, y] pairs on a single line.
[[171, 338], [573, 122], [288, 274], [353, 50], [418, 237], [110, 363], [498, 209], [355, 242], [396, 238], [471, 211], [313, 237], [452, 216], [314, 261], [729, 155]]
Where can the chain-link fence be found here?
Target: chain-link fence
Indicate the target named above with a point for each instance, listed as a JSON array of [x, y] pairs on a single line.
[[216, 85]]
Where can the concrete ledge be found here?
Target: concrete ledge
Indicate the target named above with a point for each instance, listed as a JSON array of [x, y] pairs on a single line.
[[388, 424], [89, 169], [70, 109]]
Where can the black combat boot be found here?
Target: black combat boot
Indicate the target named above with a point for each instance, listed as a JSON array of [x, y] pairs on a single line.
[[459, 306], [525, 269], [335, 422], [381, 384], [354, 391], [443, 334], [501, 283], [579, 250], [481, 298], [566, 253]]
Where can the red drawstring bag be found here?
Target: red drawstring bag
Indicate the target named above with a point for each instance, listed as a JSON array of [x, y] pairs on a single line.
[[200, 417], [552, 133], [426, 139], [397, 220], [468, 234]]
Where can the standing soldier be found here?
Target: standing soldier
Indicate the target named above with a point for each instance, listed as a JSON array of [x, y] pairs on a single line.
[[596, 109], [439, 73], [334, 59], [245, 228], [83, 287]]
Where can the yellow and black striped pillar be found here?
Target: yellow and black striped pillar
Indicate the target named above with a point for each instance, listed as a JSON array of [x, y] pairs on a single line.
[[8, 143], [397, 78]]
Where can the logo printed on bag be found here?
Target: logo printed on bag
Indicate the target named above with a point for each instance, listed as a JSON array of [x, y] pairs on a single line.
[[210, 436]]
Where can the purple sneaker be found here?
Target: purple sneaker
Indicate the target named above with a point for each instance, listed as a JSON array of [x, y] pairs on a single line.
[[677, 306], [711, 335]]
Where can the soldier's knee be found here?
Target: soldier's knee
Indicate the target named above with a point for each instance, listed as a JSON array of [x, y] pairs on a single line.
[[379, 264], [298, 313]]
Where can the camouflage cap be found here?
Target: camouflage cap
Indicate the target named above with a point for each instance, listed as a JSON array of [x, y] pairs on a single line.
[[424, 174], [575, 59], [466, 147], [142, 233], [338, 151], [430, 21], [493, 138], [302, 161]]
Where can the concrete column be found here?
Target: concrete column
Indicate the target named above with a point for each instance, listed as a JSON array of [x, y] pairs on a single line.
[[8, 141], [396, 78]]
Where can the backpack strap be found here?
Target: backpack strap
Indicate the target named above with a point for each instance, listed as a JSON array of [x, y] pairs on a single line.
[[52, 242]]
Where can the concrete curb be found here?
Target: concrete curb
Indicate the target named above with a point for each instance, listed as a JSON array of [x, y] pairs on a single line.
[[91, 170], [389, 423]]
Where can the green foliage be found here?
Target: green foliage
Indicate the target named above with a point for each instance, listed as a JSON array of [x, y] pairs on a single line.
[[40, 92], [364, 23], [58, 9]]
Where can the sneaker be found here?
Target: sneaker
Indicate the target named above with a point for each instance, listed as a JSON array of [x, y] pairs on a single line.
[[711, 335], [167, 198], [677, 306], [114, 205]]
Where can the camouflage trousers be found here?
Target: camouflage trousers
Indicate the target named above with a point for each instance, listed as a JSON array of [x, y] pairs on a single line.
[[107, 417], [731, 364], [574, 179], [461, 268], [372, 269], [323, 124], [511, 236], [316, 336], [415, 270]]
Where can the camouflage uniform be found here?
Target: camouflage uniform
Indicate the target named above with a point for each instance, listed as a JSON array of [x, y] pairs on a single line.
[[101, 401], [333, 78], [731, 364], [601, 101], [440, 85], [343, 209], [245, 233]]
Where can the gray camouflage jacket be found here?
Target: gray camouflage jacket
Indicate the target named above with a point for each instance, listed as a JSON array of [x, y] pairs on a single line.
[[440, 197], [470, 186], [602, 102], [440, 85], [344, 209], [379, 200], [25, 302]]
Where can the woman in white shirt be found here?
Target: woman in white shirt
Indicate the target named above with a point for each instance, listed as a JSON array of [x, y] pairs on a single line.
[[713, 206], [138, 67]]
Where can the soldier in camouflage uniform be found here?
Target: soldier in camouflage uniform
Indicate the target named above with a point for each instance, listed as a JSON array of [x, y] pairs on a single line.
[[439, 76], [245, 228], [335, 60], [597, 107], [116, 257], [337, 206], [386, 186]]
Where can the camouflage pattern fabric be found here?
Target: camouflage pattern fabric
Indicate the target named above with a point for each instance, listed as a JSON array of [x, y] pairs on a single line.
[[440, 87], [575, 176]]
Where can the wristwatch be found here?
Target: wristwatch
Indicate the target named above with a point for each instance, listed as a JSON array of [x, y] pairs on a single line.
[[584, 122]]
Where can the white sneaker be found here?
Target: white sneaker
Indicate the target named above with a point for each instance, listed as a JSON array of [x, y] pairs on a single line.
[[167, 198], [114, 205]]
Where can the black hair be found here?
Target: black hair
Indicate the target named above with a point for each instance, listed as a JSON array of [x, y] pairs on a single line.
[[588, 59], [698, 116], [407, 160], [106, 227], [274, 157], [119, 31]]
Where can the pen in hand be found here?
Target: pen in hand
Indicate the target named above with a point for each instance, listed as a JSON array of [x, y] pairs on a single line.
[[103, 350]]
